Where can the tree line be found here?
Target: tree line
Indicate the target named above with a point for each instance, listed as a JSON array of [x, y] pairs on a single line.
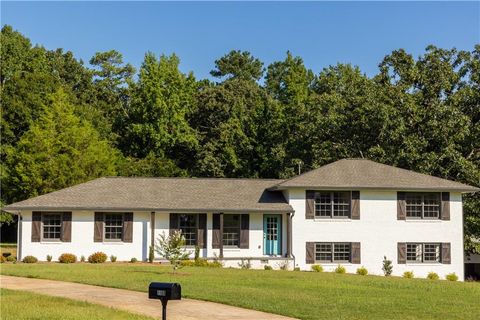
[[65, 122]]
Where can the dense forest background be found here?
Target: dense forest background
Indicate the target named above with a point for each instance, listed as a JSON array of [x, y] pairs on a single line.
[[64, 122]]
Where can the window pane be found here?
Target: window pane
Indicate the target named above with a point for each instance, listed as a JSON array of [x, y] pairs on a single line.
[[414, 252], [414, 205], [431, 205], [341, 204], [431, 252], [231, 229], [341, 252], [113, 226], [323, 252], [51, 226], [323, 206], [188, 226]]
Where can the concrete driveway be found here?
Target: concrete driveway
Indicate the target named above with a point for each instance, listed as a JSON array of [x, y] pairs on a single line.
[[133, 301]]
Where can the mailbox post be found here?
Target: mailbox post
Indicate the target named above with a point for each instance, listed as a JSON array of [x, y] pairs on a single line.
[[164, 292]]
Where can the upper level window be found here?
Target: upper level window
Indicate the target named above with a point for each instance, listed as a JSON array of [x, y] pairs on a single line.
[[113, 226], [423, 252], [188, 225], [423, 205], [231, 230], [332, 252], [334, 204], [52, 225]]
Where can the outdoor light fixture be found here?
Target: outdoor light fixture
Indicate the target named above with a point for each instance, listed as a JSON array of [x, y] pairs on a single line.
[[164, 292]]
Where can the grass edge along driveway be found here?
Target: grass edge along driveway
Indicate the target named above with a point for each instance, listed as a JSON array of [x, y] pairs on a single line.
[[26, 305], [305, 295]]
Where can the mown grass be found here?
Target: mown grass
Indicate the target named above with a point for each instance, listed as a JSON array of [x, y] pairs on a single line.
[[25, 305], [305, 295]]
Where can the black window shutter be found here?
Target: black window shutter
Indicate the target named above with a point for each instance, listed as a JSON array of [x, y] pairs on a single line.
[[128, 227], [216, 231], [244, 231], [66, 228], [173, 223], [98, 227], [445, 211], [36, 226]]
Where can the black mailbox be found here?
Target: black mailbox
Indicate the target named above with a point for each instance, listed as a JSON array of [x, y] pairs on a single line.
[[167, 291]]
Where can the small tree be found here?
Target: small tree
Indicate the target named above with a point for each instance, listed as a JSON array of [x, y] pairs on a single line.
[[172, 248], [387, 266]]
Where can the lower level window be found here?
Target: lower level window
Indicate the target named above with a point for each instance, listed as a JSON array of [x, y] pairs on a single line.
[[113, 226], [423, 252], [333, 252], [188, 225], [231, 230], [52, 223]]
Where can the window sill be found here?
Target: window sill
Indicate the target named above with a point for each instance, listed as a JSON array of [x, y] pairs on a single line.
[[424, 264], [333, 263], [231, 249], [51, 242], [113, 242], [424, 220], [332, 220]]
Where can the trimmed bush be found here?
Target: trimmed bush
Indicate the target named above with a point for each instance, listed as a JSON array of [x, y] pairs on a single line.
[[432, 276], [362, 271], [267, 267], [29, 259], [113, 258], [2, 259], [133, 260], [408, 275], [296, 269], [67, 258], [451, 277], [49, 258], [317, 268], [340, 269], [82, 258], [97, 257], [11, 259]]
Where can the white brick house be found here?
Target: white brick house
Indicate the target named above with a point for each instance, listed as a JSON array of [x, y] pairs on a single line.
[[351, 212]]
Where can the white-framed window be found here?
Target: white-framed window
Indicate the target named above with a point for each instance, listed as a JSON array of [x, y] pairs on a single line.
[[333, 252], [51, 226], [113, 226], [423, 205], [424, 252], [188, 224], [332, 204], [231, 230]]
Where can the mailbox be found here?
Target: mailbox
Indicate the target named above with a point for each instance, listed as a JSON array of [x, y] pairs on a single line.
[[164, 291]]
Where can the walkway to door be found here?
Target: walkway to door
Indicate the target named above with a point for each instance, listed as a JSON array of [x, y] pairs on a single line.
[[133, 301]]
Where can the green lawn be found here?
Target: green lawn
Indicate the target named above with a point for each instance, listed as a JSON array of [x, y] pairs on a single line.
[[25, 305], [304, 295]]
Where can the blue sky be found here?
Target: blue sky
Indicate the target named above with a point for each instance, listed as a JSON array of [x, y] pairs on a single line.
[[322, 33]]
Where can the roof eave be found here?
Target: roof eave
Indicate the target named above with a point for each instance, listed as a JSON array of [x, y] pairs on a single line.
[[462, 190]]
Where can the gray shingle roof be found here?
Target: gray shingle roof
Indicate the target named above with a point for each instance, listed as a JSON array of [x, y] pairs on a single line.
[[367, 174], [157, 194]]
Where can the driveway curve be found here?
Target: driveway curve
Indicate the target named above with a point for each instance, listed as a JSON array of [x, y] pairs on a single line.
[[134, 301]]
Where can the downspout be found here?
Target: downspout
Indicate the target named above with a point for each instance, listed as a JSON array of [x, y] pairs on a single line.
[[19, 236], [291, 238]]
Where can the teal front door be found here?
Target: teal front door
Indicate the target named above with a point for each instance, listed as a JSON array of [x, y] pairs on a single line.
[[272, 234]]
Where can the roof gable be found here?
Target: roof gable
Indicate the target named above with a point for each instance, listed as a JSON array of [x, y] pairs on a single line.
[[367, 174]]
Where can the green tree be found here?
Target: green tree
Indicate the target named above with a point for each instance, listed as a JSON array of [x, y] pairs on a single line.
[[59, 150], [157, 120], [238, 65]]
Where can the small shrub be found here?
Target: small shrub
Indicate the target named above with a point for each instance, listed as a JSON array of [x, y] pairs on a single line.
[[267, 267], [11, 259], [362, 271], [245, 264], [387, 266], [215, 264], [82, 258], [283, 265], [317, 268], [133, 260], [432, 276], [2, 259], [67, 258], [340, 269], [49, 258], [451, 277], [97, 257], [151, 254], [296, 269], [408, 275], [29, 259], [113, 258]]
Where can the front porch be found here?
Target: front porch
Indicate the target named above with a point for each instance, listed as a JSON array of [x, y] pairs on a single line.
[[230, 236]]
